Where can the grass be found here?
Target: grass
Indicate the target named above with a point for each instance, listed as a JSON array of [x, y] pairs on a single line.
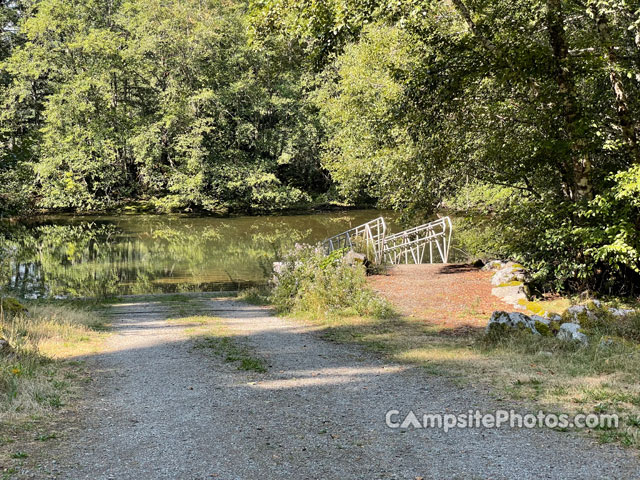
[[255, 296], [211, 334], [40, 375]]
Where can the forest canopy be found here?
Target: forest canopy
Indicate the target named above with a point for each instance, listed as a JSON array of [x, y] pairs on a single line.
[[521, 116]]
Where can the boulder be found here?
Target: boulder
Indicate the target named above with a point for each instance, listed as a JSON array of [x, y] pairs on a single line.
[[512, 294], [501, 321], [621, 312], [571, 332], [511, 272], [493, 265], [11, 306], [579, 314], [542, 325], [354, 258]]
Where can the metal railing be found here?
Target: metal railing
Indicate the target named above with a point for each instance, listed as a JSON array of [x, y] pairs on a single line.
[[404, 247], [367, 238], [411, 245]]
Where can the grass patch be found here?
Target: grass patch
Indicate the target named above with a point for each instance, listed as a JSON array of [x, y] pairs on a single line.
[[255, 295], [210, 334], [36, 374], [39, 373]]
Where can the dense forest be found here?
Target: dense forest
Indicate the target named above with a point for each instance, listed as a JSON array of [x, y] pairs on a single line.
[[522, 114]]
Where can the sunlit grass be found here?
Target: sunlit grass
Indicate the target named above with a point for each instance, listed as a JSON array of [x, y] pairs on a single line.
[[39, 373]]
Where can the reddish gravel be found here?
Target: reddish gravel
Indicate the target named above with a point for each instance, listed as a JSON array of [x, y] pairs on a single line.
[[451, 296]]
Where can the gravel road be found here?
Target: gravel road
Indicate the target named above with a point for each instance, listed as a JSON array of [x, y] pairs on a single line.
[[162, 409]]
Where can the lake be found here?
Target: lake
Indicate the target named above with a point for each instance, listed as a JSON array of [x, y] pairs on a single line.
[[74, 256]]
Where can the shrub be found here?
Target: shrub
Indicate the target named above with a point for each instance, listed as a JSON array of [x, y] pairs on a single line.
[[310, 282]]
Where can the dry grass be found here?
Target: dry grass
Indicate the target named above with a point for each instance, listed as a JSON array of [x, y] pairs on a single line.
[[38, 376]]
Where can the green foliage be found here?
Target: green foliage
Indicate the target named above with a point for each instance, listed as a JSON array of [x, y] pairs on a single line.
[[165, 101], [309, 282], [532, 121], [10, 306], [523, 116]]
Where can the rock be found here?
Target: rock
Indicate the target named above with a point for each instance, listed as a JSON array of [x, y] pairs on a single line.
[[509, 273], [512, 294], [542, 325], [493, 265], [571, 332], [621, 312], [578, 314], [501, 321], [12, 306], [354, 258]]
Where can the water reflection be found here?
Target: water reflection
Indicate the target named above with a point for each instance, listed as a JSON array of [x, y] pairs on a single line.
[[86, 256]]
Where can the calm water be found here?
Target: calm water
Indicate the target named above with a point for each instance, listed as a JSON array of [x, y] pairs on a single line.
[[128, 254]]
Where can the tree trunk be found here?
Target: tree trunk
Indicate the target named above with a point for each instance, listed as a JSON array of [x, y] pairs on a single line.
[[466, 14], [577, 183], [625, 119]]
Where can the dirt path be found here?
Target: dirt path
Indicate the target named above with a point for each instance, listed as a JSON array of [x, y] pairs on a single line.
[[164, 410], [450, 296]]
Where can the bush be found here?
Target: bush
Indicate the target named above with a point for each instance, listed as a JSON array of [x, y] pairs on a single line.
[[309, 282], [567, 246]]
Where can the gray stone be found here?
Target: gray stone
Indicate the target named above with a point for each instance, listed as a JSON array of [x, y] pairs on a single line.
[[493, 265], [621, 312], [576, 311], [538, 318], [571, 331], [514, 320], [511, 294], [354, 258], [554, 317]]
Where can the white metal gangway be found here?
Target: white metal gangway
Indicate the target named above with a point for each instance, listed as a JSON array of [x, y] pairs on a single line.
[[408, 246], [411, 245], [368, 236]]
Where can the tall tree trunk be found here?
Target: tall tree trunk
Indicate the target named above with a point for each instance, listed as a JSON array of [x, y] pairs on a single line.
[[578, 184], [625, 118], [466, 14]]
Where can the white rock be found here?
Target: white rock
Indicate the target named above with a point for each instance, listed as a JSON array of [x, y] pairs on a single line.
[[507, 274], [621, 312], [571, 331], [515, 320], [493, 265], [538, 318], [512, 294], [577, 310]]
